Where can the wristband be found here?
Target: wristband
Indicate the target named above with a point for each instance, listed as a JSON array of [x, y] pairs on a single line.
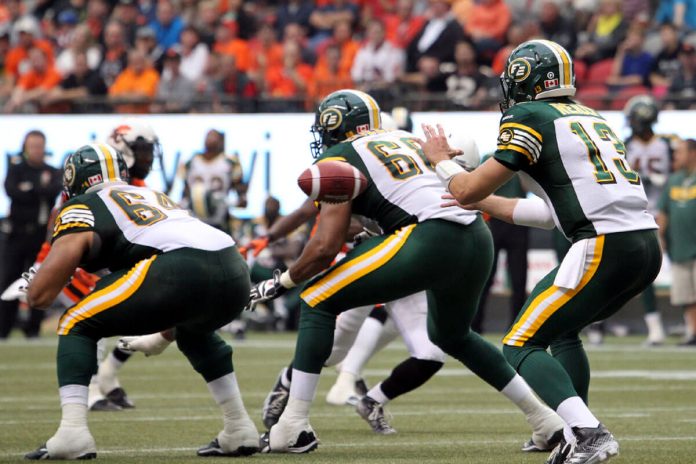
[[286, 281], [446, 170]]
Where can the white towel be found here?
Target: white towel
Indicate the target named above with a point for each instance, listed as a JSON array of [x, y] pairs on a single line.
[[573, 266]]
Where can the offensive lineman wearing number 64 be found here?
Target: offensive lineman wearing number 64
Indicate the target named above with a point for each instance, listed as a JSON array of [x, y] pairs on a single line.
[[168, 269], [577, 166]]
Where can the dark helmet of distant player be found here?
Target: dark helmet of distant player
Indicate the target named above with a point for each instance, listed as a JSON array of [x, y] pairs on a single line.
[[641, 112], [342, 115], [92, 166], [537, 69], [139, 146]]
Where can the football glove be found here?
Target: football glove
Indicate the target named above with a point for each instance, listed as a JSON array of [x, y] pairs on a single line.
[[13, 292], [265, 291], [151, 345], [27, 277], [257, 245], [364, 235]]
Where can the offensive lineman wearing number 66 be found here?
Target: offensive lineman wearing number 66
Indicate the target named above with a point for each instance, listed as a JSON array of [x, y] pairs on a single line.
[[576, 164], [168, 269]]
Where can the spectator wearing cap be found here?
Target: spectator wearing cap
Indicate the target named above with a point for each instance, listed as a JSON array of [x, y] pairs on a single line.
[[556, 27], [632, 65], [194, 54], [343, 38], [327, 77], [168, 25], [437, 37], [325, 18], [82, 82], [35, 84], [127, 13], [666, 64], [487, 23], [402, 25], [136, 86], [378, 63], [81, 42], [681, 13], [605, 31], [682, 91], [115, 53], [17, 60], [66, 22], [293, 11], [146, 42], [174, 91], [228, 43]]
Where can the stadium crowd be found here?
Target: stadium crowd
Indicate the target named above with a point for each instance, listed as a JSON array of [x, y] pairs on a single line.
[[237, 56]]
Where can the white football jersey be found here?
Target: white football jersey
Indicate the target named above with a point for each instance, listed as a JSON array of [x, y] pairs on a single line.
[[651, 160]]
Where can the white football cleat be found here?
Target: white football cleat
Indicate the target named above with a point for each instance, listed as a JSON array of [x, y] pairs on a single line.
[[67, 443], [290, 436], [343, 391], [240, 439], [547, 431]]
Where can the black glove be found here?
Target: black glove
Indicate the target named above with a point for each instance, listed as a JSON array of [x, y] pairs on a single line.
[[266, 290]]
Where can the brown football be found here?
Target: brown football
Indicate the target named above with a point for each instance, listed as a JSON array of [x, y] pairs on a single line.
[[332, 182]]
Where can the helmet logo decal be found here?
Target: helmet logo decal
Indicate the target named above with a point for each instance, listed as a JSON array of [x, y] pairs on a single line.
[[550, 75], [519, 69], [330, 118], [69, 175], [362, 128]]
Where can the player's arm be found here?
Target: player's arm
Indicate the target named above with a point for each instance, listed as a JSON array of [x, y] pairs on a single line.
[[530, 212], [282, 227], [323, 247], [65, 256]]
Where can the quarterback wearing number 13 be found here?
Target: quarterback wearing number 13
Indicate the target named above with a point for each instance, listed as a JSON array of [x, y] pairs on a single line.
[[577, 166]]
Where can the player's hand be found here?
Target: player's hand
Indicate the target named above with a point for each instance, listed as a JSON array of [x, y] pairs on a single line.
[[26, 279], [257, 245], [151, 345], [435, 146], [265, 291], [451, 201], [364, 235]]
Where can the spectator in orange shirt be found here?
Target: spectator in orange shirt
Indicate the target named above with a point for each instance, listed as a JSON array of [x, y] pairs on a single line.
[[17, 60], [402, 26], [264, 49], [228, 43], [295, 32], [487, 24], [136, 85], [343, 38], [327, 77], [289, 79], [36, 83]]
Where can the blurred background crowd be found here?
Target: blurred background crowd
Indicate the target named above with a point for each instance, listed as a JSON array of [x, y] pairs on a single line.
[[141, 56]]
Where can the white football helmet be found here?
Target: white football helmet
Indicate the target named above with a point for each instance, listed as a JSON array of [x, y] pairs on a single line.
[[138, 144]]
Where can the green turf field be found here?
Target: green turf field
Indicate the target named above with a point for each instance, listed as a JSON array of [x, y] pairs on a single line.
[[646, 396]]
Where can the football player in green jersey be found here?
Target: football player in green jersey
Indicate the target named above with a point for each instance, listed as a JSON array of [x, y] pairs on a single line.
[[168, 269], [446, 252], [576, 164]]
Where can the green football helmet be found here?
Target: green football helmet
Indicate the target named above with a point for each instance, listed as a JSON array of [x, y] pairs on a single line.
[[641, 112], [341, 115], [537, 69], [93, 165]]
